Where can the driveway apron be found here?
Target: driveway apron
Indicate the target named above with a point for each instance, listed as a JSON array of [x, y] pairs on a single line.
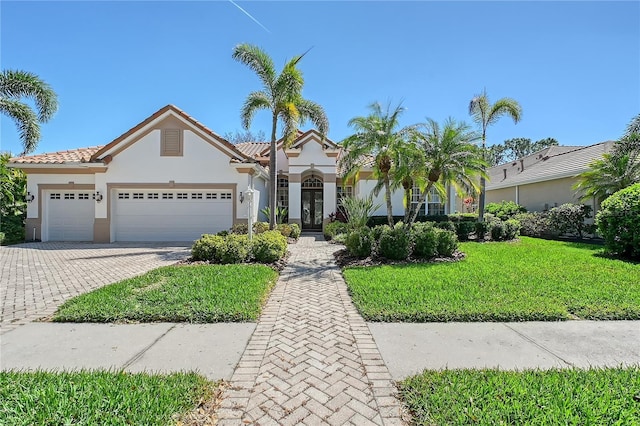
[[312, 359]]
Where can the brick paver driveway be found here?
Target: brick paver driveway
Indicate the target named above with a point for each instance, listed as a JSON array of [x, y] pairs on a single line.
[[35, 278]]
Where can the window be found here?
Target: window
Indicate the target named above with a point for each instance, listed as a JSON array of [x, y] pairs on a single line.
[[83, 196], [182, 196], [225, 196], [415, 197], [312, 182], [69, 196], [435, 205], [123, 196], [341, 193], [283, 192], [212, 196], [196, 196], [171, 143], [138, 196], [152, 196], [167, 196], [54, 196]]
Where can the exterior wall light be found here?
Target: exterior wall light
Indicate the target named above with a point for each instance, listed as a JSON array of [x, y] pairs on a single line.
[[30, 197], [97, 196], [241, 197]]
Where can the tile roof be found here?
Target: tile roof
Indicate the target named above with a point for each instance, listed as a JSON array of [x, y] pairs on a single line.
[[550, 163], [253, 149], [80, 155]]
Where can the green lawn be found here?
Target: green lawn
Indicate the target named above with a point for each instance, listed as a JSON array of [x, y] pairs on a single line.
[[198, 294], [554, 397], [532, 279], [98, 398]]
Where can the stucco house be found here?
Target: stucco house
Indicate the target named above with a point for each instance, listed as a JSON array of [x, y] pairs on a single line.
[[544, 179], [170, 178]]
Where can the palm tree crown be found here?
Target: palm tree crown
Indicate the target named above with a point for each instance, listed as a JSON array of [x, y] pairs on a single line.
[[376, 140], [484, 113], [281, 94], [16, 85], [451, 159]]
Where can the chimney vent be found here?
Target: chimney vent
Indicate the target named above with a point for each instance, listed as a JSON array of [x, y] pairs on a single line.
[[521, 165], [505, 173]]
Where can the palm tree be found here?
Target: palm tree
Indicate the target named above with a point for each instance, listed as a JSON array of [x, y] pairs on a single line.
[[374, 143], [281, 94], [451, 159], [484, 113], [609, 174], [634, 126], [407, 159], [16, 85]]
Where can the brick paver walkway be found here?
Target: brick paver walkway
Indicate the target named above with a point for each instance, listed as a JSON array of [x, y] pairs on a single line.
[[311, 359], [35, 278]]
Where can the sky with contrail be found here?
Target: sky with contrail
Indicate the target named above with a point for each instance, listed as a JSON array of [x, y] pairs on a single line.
[[249, 15]]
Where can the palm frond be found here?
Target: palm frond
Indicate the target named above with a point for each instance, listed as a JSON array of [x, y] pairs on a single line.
[[258, 61], [255, 101], [314, 112], [15, 84], [26, 121]]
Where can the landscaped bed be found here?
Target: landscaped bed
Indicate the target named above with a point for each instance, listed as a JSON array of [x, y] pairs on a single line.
[[197, 294], [526, 280], [553, 397], [100, 398]]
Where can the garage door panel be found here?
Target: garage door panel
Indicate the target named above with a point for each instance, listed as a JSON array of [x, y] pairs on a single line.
[[70, 216]]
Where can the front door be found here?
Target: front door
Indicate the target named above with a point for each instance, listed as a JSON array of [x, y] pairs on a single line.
[[312, 209]]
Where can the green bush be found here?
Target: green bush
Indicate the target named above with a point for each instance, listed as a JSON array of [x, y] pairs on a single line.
[[1, 237], [359, 242], [208, 248], [463, 229], [332, 229], [340, 238], [295, 231], [570, 219], [449, 226], [260, 227], [236, 249], [618, 222], [377, 231], [504, 210], [285, 229], [425, 238], [269, 246], [395, 243], [511, 229], [481, 229], [240, 228], [497, 230], [12, 226], [447, 242], [534, 224]]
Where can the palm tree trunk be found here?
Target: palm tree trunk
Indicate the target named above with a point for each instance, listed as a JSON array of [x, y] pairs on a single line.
[[273, 184], [387, 196], [407, 210], [423, 197], [483, 182]]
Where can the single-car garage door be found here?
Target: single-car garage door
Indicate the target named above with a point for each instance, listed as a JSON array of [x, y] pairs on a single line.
[[70, 216], [164, 215]]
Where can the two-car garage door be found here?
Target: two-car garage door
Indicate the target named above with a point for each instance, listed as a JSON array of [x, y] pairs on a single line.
[[170, 215]]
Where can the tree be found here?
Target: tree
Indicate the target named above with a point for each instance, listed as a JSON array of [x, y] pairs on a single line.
[[484, 113], [16, 85], [451, 158], [376, 138], [281, 94], [496, 154], [634, 126], [245, 136], [13, 208]]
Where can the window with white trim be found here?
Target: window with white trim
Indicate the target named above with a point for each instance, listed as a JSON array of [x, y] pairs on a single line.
[[435, 206], [342, 192], [415, 198], [283, 192]]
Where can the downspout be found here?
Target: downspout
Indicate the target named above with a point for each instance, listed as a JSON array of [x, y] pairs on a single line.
[[517, 194]]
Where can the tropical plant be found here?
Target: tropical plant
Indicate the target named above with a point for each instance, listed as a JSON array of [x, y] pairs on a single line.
[[605, 176], [13, 208], [450, 158], [281, 94], [618, 222], [16, 85], [375, 143], [359, 210], [281, 213], [485, 113], [634, 126]]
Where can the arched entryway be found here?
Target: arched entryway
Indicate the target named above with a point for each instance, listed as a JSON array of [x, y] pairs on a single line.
[[312, 203]]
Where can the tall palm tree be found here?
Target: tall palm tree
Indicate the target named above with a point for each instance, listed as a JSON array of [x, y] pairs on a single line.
[[374, 143], [16, 85], [485, 113], [281, 94], [451, 159]]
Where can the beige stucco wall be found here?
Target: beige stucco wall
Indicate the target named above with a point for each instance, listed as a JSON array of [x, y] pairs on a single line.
[[498, 195]]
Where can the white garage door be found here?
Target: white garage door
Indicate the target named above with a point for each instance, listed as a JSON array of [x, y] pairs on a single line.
[[70, 216], [162, 215]]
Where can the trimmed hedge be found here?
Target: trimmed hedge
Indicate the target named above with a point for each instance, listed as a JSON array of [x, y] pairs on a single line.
[[359, 242], [619, 222], [269, 246], [266, 247], [395, 243]]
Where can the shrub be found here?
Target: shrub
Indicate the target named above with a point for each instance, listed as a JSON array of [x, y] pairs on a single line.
[[481, 229], [569, 218], [395, 243], [332, 229], [497, 230], [511, 229], [504, 210], [425, 238], [269, 246], [463, 217], [463, 229], [235, 249], [534, 224], [619, 222], [449, 226], [377, 231], [1, 237], [208, 248], [340, 238], [295, 231], [359, 243], [240, 228], [285, 229], [447, 242], [13, 229], [260, 227]]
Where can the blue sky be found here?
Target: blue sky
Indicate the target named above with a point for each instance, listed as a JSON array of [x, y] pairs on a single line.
[[573, 66]]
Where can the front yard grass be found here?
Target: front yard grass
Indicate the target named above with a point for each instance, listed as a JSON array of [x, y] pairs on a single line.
[[99, 398], [527, 280], [553, 397], [197, 294]]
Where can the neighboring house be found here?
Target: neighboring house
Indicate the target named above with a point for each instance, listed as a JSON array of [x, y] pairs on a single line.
[[544, 179], [170, 178]]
